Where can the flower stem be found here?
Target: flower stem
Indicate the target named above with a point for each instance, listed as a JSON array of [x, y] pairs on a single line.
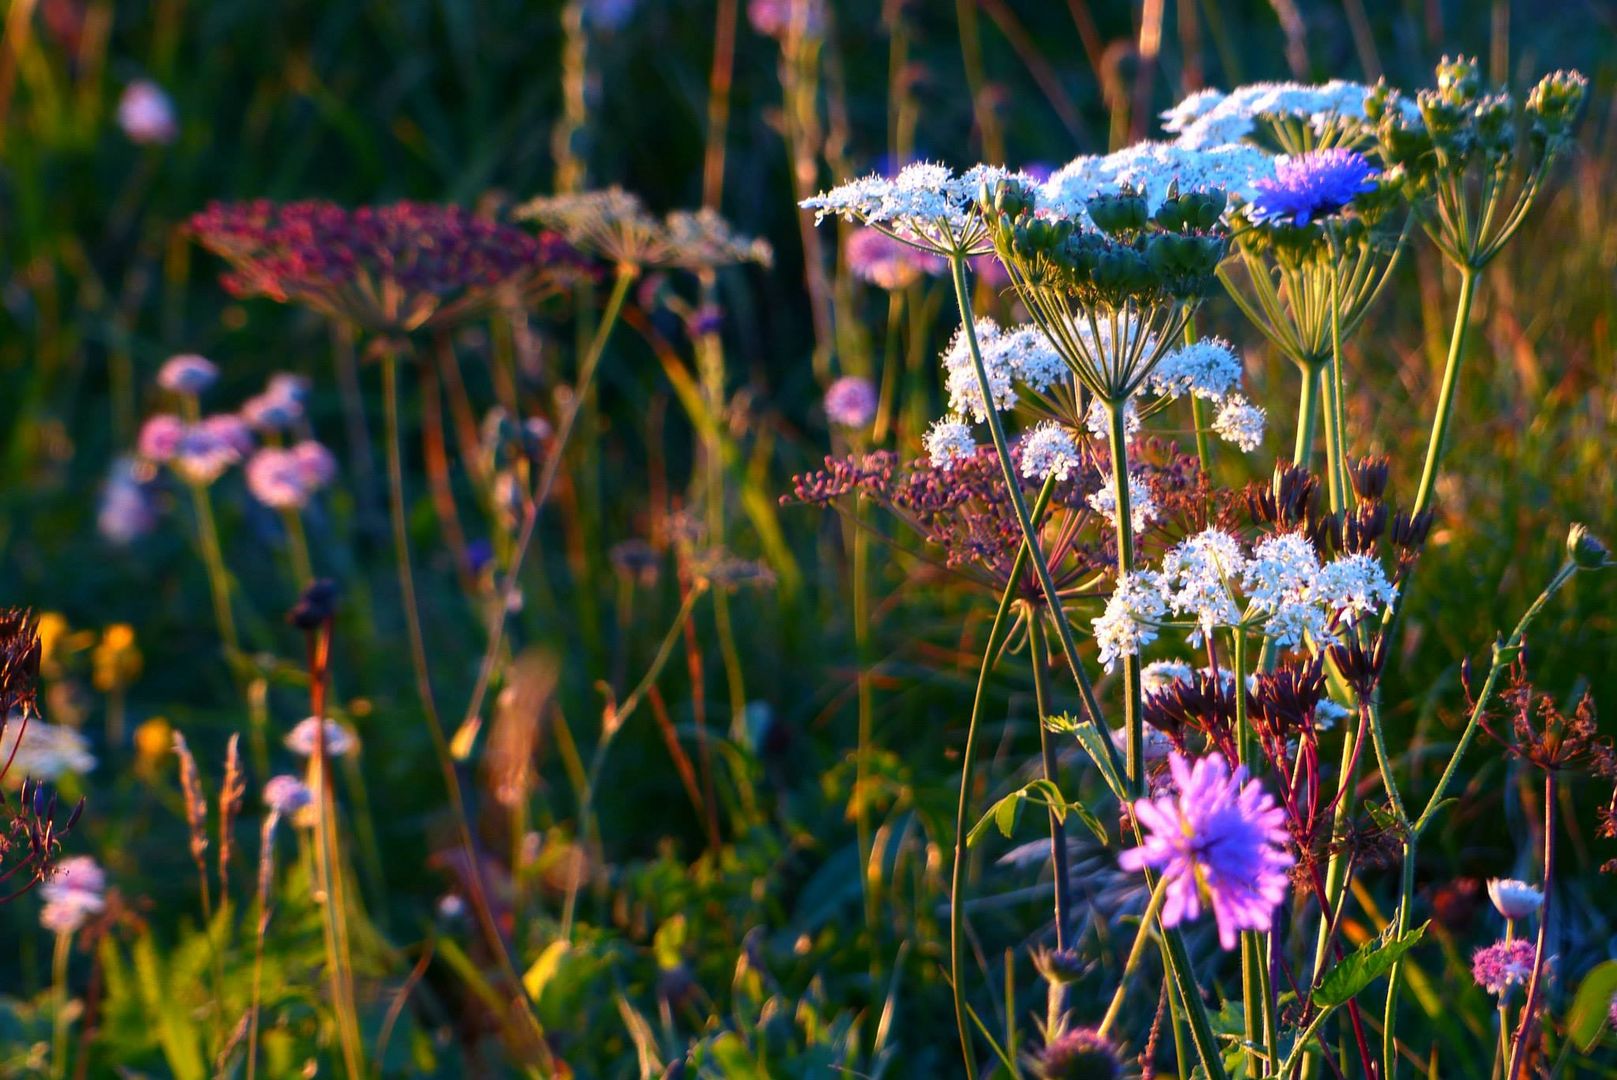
[[1451, 380], [213, 559], [1339, 469], [1133, 721], [1039, 657], [59, 1024], [1307, 415], [1152, 908], [1535, 985]]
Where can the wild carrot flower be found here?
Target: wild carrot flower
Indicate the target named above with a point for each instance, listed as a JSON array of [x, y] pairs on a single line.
[[1503, 964], [1514, 899], [1311, 186], [1208, 368], [1153, 170], [187, 374], [1142, 506], [146, 114], [926, 205], [1078, 1054], [850, 402], [1131, 616], [614, 225], [1209, 119], [890, 264], [302, 739], [1049, 450], [1219, 841]]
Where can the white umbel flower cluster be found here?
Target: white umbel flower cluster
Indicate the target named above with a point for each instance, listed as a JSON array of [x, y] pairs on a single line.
[[949, 440], [1131, 618], [1153, 169], [1282, 586], [926, 205], [1050, 450], [1209, 119], [1142, 507], [1240, 422], [1010, 356], [1208, 368]]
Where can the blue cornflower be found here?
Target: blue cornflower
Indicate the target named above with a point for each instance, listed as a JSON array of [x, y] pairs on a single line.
[[1312, 185]]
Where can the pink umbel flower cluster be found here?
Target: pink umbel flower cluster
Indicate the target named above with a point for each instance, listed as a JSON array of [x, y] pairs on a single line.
[[395, 268]]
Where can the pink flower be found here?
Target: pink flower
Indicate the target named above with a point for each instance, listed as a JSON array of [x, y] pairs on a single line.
[[187, 373], [850, 402], [159, 437], [1498, 966], [146, 114]]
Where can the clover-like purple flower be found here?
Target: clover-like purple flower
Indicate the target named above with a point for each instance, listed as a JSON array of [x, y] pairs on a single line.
[[1219, 840], [1310, 186], [851, 402], [1498, 967]]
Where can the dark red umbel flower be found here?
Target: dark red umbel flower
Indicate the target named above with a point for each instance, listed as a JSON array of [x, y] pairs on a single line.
[[1532, 727], [30, 835], [396, 268]]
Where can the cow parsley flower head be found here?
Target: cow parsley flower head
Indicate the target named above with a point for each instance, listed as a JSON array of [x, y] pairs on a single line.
[[1209, 368], [890, 264], [1050, 450], [1354, 586], [1153, 169], [1240, 422], [926, 205], [1219, 841], [187, 374], [960, 372], [302, 739], [1130, 620], [1192, 108], [1310, 186], [1197, 574], [1161, 674], [1514, 899], [850, 402], [1498, 967], [1283, 570], [1034, 360], [1099, 421], [949, 440], [1142, 506], [43, 751], [1208, 119]]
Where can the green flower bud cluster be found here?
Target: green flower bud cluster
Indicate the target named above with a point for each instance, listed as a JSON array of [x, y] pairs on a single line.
[[1461, 122], [1129, 253]]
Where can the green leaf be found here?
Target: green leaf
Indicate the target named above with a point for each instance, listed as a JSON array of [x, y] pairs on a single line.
[[1364, 966], [1592, 1004], [1098, 745]]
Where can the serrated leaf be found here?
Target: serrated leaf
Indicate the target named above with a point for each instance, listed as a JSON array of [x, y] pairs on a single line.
[[1098, 745], [1592, 1005], [1362, 967]]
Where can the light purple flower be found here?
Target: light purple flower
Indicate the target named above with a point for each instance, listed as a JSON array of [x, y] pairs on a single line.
[[160, 437], [1514, 899], [340, 742], [204, 452], [187, 374], [73, 893], [126, 512], [1499, 966], [887, 263], [1219, 841], [773, 18], [850, 402], [286, 794], [146, 114], [1078, 1054], [231, 430], [275, 479], [316, 464], [1312, 185]]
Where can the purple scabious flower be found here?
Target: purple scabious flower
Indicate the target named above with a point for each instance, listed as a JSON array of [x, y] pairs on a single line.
[[203, 453], [286, 794], [187, 374], [231, 430], [125, 512], [1219, 841], [275, 479], [315, 463], [850, 402], [159, 437], [887, 263], [1078, 1054], [1498, 966], [146, 114], [1309, 186]]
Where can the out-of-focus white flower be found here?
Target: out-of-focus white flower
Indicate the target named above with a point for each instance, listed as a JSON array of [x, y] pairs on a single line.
[[74, 892], [45, 752], [340, 742]]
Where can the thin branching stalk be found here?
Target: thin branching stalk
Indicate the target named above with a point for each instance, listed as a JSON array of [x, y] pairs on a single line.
[[1153, 908], [1522, 1041], [1044, 698]]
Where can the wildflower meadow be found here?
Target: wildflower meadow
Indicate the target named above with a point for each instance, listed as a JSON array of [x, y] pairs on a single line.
[[805, 538]]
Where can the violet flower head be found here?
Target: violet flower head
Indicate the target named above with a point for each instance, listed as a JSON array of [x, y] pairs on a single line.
[[850, 402], [74, 893], [275, 479], [1078, 1054], [204, 451], [146, 114], [890, 264], [187, 374], [1310, 186], [159, 437], [304, 739], [1219, 842], [286, 794], [316, 463], [125, 512], [1514, 899], [1501, 965]]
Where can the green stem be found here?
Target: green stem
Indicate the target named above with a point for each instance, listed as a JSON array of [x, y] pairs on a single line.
[[1133, 720], [1451, 380], [869, 879], [298, 545], [1152, 909], [213, 559], [1044, 698], [59, 1025], [1307, 415], [1339, 464]]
